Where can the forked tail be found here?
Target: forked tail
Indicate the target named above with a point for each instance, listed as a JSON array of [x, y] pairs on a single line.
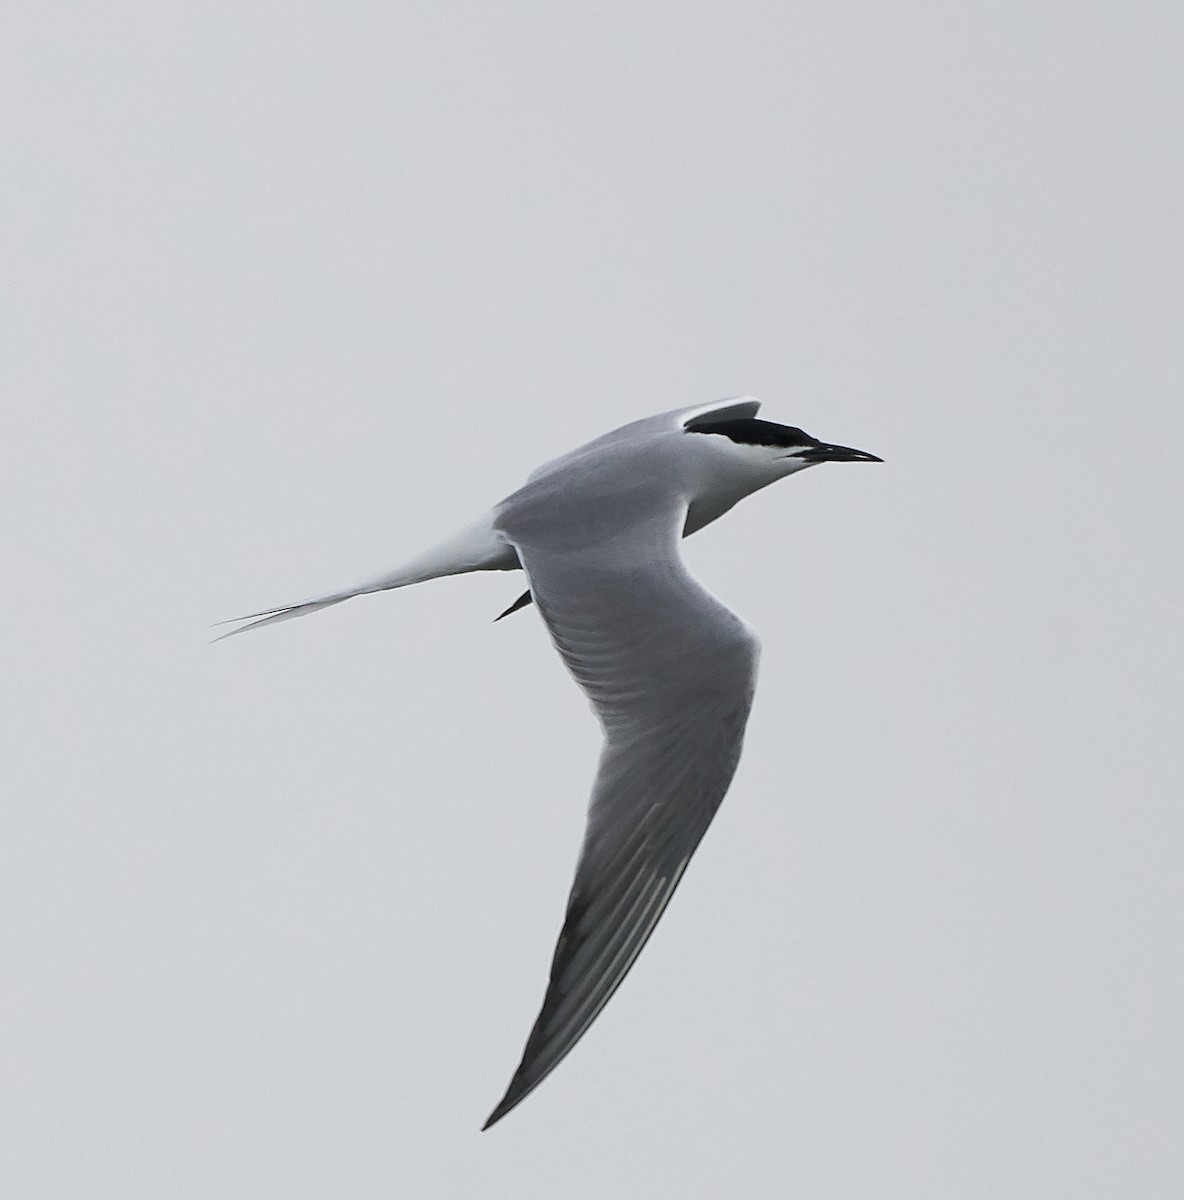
[[479, 547], [271, 616]]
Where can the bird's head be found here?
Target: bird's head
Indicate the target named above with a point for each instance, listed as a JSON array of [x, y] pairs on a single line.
[[782, 449]]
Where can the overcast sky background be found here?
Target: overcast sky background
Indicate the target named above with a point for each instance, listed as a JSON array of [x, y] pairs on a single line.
[[291, 291]]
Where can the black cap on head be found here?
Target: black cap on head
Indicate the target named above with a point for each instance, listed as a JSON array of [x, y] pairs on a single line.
[[749, 431]]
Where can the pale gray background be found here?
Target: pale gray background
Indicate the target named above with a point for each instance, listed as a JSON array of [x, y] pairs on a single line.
[[292, 290]]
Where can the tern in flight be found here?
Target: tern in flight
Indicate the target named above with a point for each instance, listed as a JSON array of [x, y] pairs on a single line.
[[669, 670]]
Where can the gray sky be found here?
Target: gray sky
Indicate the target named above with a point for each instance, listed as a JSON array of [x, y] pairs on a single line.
[[291, 292]]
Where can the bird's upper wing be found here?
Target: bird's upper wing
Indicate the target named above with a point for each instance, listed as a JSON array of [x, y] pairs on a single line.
[[670, 673]]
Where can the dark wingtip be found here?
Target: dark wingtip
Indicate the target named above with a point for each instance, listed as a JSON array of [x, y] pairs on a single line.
[[518, 1090], [496, 1115], [522, 601]]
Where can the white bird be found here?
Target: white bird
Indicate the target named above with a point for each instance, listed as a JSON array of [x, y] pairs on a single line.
[[669, 671]]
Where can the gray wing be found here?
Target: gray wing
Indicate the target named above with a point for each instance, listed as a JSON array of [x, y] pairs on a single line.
[[670, 673]]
